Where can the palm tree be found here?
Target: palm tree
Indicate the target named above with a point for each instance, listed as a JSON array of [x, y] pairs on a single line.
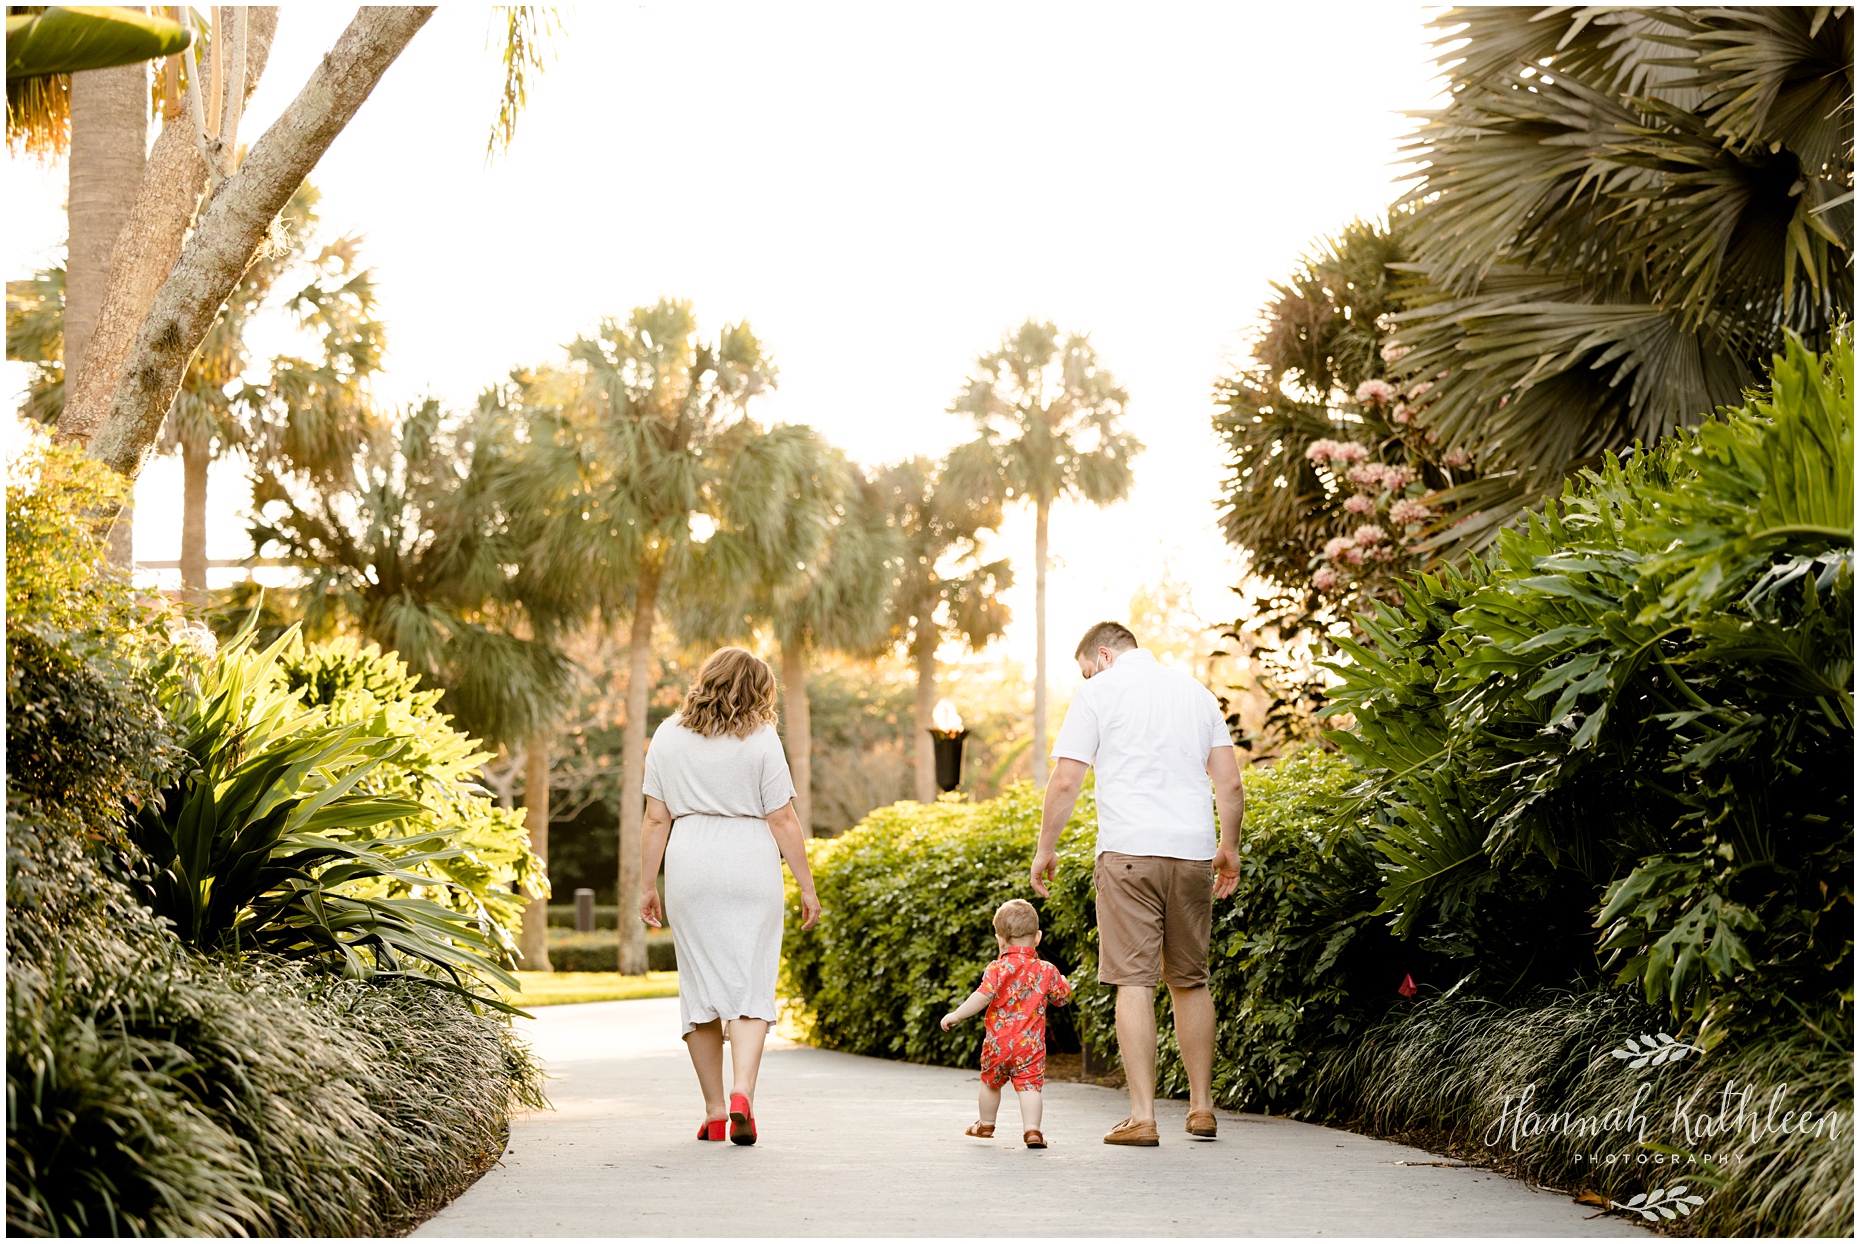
[[820, 549], [412, 549], [942, 588], [625, 449], [1623, 213], [1048, 417]]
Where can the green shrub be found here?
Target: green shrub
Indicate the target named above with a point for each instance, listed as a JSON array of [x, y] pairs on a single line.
[[1636, 714], [909, 898], [478, 852], [153, 1089], [1299, 967], [261, 840]]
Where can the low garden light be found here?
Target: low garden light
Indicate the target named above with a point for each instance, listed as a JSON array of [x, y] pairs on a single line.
[[948, 734]]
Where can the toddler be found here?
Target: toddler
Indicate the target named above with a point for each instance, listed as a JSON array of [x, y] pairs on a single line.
[[1015, 991]]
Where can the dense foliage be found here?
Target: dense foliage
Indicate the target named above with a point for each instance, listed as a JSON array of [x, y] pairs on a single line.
[[153, 1089], [1637, 715], [411, 547]]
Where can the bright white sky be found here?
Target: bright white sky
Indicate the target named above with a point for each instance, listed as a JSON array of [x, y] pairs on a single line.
[[882, 190]]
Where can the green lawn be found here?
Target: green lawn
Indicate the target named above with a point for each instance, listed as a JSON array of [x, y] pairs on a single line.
[[557, 988]]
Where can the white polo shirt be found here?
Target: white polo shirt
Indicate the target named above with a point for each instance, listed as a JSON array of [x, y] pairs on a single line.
[[1147, 730]]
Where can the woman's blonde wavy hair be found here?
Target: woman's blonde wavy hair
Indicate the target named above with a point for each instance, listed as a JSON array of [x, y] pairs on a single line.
[[734, 694]]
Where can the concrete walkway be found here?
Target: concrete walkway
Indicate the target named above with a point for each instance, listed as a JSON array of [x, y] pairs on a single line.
[[861, 1146]]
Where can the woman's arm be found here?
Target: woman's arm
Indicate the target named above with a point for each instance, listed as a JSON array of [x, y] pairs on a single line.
[[657, 829], [975, 1004], [786, 826]]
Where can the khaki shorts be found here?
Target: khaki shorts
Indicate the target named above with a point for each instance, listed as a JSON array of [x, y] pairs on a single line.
[[1153, 918]]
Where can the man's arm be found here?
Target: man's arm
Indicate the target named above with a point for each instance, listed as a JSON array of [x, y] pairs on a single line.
[[1230, 803], [1062, 793]]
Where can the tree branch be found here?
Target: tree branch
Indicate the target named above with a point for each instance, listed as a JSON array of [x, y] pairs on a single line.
[[235, 224]]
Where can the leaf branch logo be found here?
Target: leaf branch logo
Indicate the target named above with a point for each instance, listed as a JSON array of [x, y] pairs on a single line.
[[1667, 1203], [1654, 1051]]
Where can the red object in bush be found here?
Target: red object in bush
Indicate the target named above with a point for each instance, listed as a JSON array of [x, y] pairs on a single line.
[[1407, 988]]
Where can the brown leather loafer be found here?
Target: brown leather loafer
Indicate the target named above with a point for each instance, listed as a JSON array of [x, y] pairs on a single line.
[[1202, 1124], [1033, 1138], [1130, 1132]]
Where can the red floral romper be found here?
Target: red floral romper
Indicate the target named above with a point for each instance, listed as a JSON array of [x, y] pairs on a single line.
[[1020, 984]]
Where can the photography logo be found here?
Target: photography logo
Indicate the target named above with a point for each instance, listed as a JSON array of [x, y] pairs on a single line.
[[1680, 1132]]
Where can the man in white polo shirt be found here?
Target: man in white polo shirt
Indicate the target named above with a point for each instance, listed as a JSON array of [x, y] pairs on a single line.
[[1156, 738]]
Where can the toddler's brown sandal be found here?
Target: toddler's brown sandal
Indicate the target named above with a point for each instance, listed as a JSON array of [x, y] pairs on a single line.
[[1033, 1138], [984, 1130]]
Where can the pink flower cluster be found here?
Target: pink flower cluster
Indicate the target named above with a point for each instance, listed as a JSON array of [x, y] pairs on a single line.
[[1408, 511], [1375, 392], [1392, 353], [1359, 503], [1343, 548], [1456, 458], [1320, 452], [1380, 475]]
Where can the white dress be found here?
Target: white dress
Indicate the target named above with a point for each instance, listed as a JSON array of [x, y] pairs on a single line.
[[723, 883]]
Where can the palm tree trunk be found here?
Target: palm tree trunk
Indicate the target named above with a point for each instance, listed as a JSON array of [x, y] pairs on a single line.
[[195, 459], [800, 728], [235, 223], [633, 772], [147, 247], [534, 942], [1041, 510], [925, 654], [109, 143]]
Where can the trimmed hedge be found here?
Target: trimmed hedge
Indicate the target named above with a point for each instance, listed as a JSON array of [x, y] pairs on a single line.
[[910, 893], [599, 951], [909, 898]]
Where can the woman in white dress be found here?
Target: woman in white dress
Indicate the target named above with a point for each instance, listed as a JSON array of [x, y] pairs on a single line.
[[720, 815]]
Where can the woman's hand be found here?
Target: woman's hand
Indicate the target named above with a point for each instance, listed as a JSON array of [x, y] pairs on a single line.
[[810, 909], [652, 911]]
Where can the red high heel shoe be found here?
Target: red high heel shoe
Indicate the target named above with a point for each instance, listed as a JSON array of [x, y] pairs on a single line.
[[742, 1123], [711, 1129]]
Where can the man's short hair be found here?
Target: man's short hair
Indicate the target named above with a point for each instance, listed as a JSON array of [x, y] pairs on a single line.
[[1016, 918], [1113, 635]]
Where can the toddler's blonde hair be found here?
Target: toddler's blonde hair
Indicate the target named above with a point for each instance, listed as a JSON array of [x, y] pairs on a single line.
[[1016, 918]]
